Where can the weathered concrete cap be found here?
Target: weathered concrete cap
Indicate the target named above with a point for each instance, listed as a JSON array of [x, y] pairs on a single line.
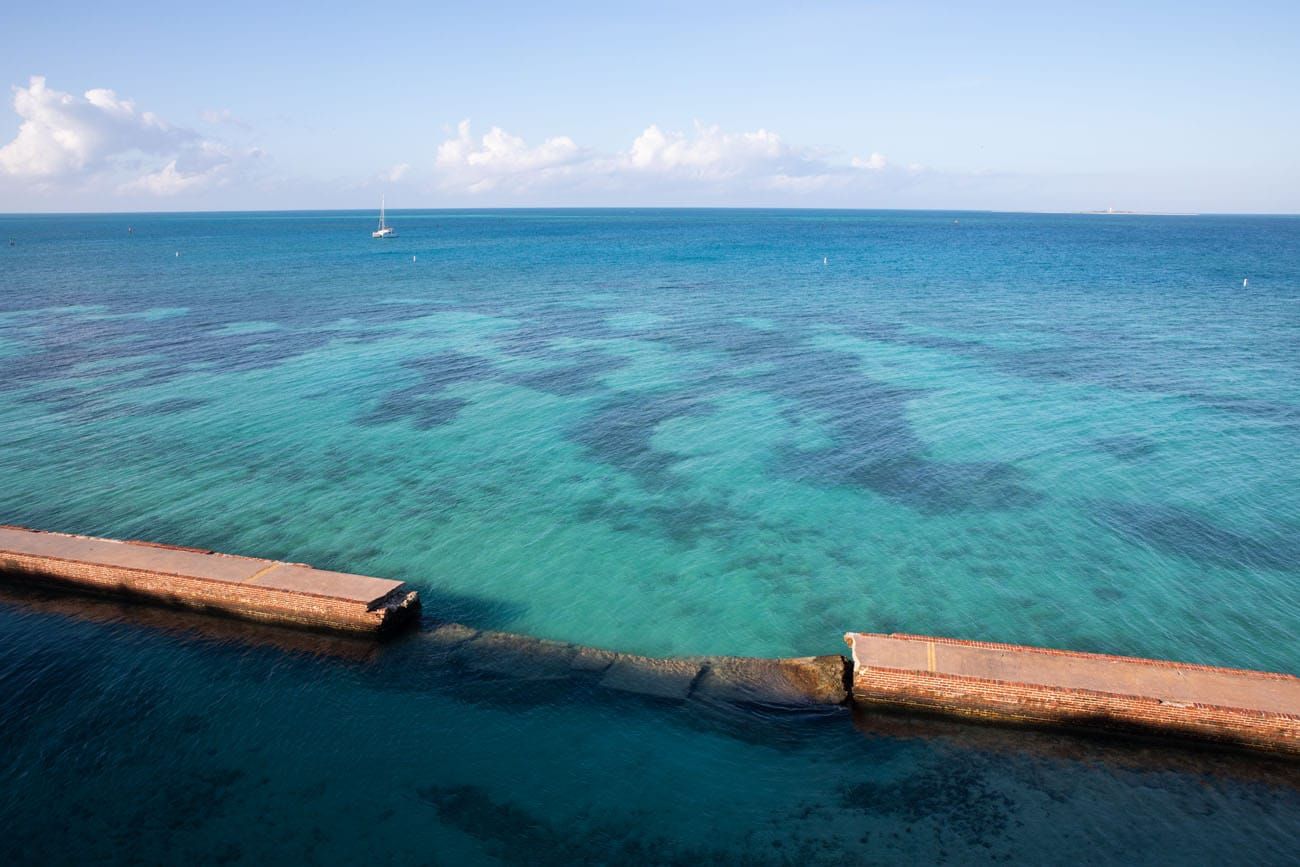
[[799, 682], [188, 562], [158, 559], [659, 678], [1168, 682], [297, 578], [248, 587]]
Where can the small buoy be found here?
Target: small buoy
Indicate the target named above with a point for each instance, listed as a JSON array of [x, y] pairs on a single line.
[[178, 254], [412, 258], [826, 260], [1244, 282]]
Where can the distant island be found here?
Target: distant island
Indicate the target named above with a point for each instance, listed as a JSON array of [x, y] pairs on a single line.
[[1142, 213]]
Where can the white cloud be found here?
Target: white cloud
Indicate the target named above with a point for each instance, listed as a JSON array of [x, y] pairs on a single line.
[[499, 157], [208, 164], [707, 162], [62, 134], [875, 162], [100, 138], [166, 181], [710, 153], [99, 146]]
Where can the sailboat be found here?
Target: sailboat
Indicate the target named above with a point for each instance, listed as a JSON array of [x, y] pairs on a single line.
[[384, 230]]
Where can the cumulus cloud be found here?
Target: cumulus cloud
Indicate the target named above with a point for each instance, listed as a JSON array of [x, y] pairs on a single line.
[[99, 137], [167, 181], [706, 158], [206, 164], [875, 162], [710, 152], [96, 145], [61, 134], [499, 157]]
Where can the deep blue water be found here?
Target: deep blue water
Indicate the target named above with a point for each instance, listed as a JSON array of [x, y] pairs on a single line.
[[659, 431]]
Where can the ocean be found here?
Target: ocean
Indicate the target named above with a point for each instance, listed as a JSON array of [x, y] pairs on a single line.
[[659, 431]]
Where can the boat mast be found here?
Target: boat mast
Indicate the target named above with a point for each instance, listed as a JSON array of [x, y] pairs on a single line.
[[381, 211]]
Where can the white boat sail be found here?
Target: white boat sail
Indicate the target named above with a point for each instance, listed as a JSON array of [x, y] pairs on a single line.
[[384, 230]]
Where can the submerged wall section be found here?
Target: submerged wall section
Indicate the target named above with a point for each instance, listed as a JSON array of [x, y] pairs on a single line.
[[791, 684]]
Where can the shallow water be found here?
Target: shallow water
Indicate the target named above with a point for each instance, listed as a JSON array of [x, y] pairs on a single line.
[[664, 432]]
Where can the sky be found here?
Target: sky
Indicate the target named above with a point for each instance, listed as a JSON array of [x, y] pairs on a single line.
[[1043, 106]]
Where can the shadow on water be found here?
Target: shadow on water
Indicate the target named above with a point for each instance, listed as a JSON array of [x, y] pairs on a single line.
[[186, 625], [1095, 747], [969, 785], [861, 781], [482, 611], [515, 672]]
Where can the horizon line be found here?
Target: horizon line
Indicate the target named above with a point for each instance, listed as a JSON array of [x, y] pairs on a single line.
[[1090, 212]]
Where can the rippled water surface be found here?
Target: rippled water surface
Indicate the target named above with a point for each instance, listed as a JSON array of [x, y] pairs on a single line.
[[659, 431]]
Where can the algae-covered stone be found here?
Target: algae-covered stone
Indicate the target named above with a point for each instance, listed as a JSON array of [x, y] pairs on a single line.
[[519, 656], [659, 678], [592, 659], [449, 635], [800, 682]]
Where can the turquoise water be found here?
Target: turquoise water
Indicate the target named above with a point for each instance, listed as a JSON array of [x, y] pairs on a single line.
[[659, 431]]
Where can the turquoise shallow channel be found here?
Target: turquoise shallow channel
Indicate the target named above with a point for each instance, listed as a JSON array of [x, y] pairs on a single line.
[[663, 432]]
